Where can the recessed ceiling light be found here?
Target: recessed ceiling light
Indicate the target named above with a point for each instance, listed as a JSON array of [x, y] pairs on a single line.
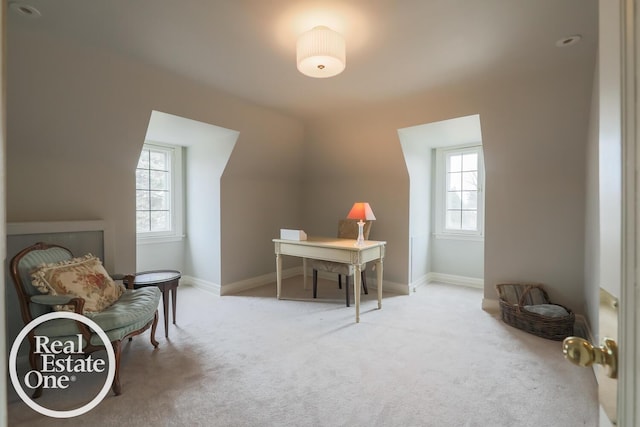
[[25, 10], [568, 41]]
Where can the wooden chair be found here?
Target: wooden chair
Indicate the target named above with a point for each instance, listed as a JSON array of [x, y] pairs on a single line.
[[133, 313], [347, 229]]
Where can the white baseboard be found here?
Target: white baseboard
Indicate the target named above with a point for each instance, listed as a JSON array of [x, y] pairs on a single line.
[[372, 282], [424, 280], [254, 282], [393, 287], [456, 280], [239, 286], [490, 305], [201, 284], [582, 327], [389, 286]]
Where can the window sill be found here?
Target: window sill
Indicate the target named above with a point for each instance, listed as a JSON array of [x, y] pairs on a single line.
[[152, 240], [452, 236]]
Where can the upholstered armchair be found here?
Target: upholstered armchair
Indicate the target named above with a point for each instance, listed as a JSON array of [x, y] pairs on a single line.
[[347, 229], [48, 277]]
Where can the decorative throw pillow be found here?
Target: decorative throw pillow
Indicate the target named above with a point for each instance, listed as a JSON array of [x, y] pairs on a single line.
[[83, 277]]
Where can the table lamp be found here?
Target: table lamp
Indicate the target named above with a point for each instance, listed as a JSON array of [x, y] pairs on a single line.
[[362, 212]]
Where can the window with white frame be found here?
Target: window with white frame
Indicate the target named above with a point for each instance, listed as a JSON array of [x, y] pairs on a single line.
[[459, 195], [158, 192]]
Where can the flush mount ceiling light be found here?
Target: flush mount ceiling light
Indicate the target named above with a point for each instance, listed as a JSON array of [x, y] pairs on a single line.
[[321, 53], [568, 41]]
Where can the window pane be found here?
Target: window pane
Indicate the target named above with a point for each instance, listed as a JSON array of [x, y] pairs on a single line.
[[469, 200], [455, 163], [457, 210], [142, 222], [454, 182], [142, 200], [159, 160], [454, 200], [160, 221], [159, 200], [142, 179], [470, 162], [153, 191], [143, 162], [454, 220], [470, 181], [469, 220], [159, 180]]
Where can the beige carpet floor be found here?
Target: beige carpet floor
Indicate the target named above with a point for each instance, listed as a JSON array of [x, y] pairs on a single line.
[[433, 358]]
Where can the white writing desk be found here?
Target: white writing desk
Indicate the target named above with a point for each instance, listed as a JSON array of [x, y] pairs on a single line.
[[333, 249]]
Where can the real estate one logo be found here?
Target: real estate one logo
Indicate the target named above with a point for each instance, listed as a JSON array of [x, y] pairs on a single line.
[[60, 364]]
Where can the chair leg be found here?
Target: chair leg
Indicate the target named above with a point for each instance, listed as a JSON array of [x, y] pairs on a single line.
[[117, 389], [154, 325], [339, 281], [364, 283], [315, 283], [33, 361], [346, 288]]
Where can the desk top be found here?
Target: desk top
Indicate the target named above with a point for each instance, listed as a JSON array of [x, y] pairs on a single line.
[[333, 242]]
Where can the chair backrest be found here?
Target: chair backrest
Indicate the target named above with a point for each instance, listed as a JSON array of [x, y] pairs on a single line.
[[348, 229], [21, 267]]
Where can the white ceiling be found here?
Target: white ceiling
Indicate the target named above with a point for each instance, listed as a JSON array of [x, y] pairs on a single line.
[[394, 47]]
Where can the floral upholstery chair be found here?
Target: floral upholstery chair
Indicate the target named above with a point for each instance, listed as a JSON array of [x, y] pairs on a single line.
[[80, 285]]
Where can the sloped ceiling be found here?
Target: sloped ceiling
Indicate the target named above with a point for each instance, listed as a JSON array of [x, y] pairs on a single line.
[[394, 48]]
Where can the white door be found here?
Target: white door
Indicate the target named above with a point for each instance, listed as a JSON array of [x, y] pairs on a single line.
[[619, 72], [629, 308], [628, 393]]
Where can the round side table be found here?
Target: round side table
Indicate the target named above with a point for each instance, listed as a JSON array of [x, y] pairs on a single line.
[[166, 280]]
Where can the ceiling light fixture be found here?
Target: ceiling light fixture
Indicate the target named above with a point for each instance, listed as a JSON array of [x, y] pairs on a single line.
[[321, 53]]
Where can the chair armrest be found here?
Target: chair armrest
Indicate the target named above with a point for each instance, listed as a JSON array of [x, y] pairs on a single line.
[[51, 300]]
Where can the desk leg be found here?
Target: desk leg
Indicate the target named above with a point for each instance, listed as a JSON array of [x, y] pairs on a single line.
[[278, 275], [304, 273], [379, 270], [357, 284]]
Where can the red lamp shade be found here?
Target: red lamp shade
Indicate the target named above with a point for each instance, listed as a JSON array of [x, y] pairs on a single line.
[[361, 211]]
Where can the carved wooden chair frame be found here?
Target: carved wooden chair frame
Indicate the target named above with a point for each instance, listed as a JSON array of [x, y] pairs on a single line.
[[78, 305]]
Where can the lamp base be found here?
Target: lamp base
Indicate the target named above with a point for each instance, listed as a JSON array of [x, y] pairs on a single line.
[[360, 240]]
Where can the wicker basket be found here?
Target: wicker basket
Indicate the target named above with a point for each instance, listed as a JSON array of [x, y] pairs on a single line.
[[513, 298]]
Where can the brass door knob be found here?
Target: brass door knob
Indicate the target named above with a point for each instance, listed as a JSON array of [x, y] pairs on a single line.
[[582, 353]]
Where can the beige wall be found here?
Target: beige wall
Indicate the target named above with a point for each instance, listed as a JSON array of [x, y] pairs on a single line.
[[77, 119], [534, 133]]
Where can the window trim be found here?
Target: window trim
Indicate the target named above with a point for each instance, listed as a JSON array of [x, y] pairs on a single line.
[[440, 194], [176, 178]]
